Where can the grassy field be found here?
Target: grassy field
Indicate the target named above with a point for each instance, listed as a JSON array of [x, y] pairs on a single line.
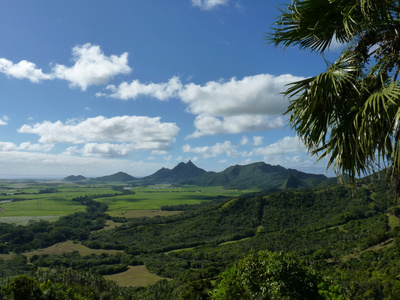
[[69, 246], [29, 202], [64, 247], [135, 276], [139, 213], [153, 198], [24, 220], [41, 207]]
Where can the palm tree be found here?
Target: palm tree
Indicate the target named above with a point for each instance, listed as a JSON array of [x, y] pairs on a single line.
[[351, 112]]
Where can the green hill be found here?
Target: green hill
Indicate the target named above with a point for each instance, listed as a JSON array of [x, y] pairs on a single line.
[[117, 177], [260, 176], [74, 178], [348, 236]]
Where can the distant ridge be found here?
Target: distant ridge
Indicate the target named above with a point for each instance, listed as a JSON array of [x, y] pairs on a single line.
[[74, 178], [259, 175], [117, 177]]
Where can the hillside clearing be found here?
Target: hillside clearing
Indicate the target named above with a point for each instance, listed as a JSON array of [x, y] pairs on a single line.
[[135, 276], [67, 247]]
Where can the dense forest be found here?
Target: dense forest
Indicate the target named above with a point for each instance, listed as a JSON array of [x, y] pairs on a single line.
[[334, 243]]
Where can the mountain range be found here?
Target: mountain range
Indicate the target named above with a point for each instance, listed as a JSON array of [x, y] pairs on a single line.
[[257, 175]]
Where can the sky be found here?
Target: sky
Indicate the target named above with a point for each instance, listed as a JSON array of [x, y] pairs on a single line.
[[97, 87]]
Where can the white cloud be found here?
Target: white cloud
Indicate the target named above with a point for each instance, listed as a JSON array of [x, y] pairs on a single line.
[[257, 140], [26, 146], [249, 104], [208, 4], [35, 147], [244, 141], [19, 164], [23, 70], [159, 152], [160, 91], [92, 67], [4, 121], [213, 151], [258, 94], [7, 146], [102, 150], [210, 125], [246, 161], [142, 132], [287, 145]]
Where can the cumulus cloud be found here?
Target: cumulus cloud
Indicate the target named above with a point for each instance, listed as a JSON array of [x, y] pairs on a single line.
[[92, 67], [208, 4], [142, 132], [160, 91], [4, 121], [7, 146], [23, 70], [213, 151], [245, 140], [210, 125], [257, 140], [287, 145], [249, 104], [258, 94], [26, 146], [102, 150]]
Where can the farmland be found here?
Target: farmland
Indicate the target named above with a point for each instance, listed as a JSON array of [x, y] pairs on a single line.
[[130, 240], [22, 201]]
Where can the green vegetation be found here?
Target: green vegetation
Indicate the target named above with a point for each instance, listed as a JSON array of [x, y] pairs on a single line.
[[155, 197], [268, 275], [343, 244], [135, 276], [349, 113]]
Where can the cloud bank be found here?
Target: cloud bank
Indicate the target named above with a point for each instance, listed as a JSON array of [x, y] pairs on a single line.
[[253, 103], [117, 136], [250, 104]]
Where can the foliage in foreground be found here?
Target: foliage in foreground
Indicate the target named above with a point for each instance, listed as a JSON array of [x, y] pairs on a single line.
[[268, 275], [61, 284], [349, 113]]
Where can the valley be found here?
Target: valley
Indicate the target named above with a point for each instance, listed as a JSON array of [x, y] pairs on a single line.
[[179, 241]]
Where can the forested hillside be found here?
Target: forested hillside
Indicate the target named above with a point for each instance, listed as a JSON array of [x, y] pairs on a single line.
[[258, 175], [347, 238]]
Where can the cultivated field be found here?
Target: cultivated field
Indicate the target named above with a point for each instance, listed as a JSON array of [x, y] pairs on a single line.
[[22, 201]]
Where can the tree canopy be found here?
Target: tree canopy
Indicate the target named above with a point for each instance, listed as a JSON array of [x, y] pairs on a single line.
[[349, 113]]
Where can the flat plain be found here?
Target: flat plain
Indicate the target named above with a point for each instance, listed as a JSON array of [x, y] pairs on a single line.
[[23, 201]]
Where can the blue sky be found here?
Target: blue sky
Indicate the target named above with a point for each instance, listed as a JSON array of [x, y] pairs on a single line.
[[97, 87]]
